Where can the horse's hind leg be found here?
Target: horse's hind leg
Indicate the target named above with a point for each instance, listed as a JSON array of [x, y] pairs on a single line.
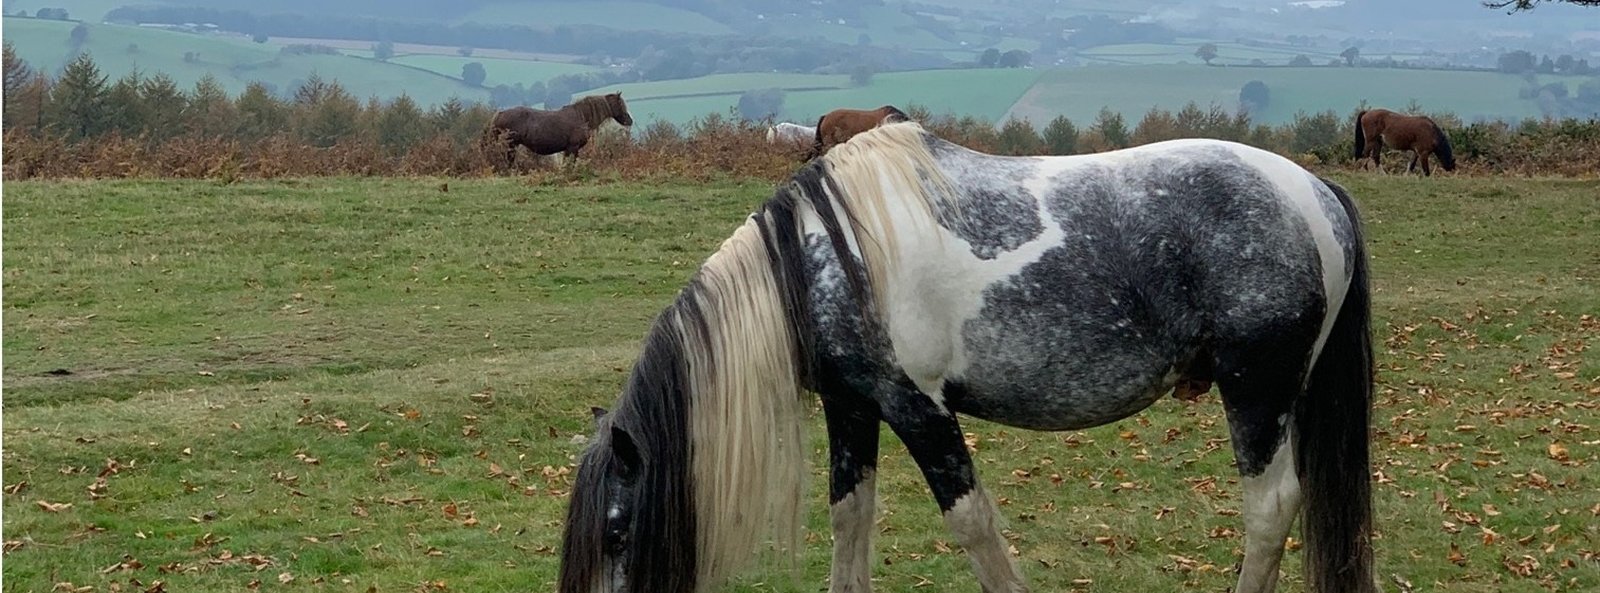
[[1259, 386], [852, 491], [1427, 168], [933, 437]]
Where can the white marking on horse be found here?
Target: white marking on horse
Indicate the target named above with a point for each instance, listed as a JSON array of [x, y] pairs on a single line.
[[852, 519], [1271, 503], [975, 522]]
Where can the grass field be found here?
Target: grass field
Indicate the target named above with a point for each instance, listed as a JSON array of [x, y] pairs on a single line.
[[627, 16], [498, 70], [234, 61], [984, 93], [349, 383], [1080, 92]]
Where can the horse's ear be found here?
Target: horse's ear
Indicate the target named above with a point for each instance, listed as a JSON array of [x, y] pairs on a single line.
[[626, 452], [598, 412]]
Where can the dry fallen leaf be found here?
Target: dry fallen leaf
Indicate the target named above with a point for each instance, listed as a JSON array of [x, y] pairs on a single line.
[[1558, 452], [54, 507]]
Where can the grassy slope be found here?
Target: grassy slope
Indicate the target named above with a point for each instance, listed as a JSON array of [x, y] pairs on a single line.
[[1080, 93], [286, 366], [499, 70], [628, 16], [44, 45]]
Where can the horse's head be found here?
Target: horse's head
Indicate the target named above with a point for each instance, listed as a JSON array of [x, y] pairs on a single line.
[[619, 109], [597, 552]]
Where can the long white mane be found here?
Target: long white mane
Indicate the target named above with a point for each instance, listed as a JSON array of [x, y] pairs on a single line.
[[892, 188]]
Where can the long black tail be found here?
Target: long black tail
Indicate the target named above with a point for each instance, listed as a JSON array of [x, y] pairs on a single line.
[[1331, 422], [1361, 137], [1441, 147]]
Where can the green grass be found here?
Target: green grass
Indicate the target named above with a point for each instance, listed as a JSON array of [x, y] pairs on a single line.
[[1079, 93], [984, 93], [627, 16], [234, 61], [282, 372], [498, 70]]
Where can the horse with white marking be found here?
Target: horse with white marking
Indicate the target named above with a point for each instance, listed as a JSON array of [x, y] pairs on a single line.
[[905, 279], [788, 133]]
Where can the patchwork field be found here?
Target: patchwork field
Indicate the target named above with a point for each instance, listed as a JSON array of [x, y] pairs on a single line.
[[1080, 93], [234, 61], [983, 93], [616, 15], [372, 384], [498, 70]]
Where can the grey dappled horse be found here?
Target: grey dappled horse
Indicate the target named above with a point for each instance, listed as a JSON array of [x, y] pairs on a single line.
[[905, 279]]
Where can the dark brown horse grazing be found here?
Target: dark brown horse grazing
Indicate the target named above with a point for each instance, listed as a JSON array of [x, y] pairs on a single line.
[[1377, 128], [840, 125], [566, 130]]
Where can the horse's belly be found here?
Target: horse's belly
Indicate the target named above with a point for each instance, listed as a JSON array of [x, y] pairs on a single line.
[[1040, 393]]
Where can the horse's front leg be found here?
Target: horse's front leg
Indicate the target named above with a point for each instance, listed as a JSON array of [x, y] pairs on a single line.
[[852, 489], [933, 436]]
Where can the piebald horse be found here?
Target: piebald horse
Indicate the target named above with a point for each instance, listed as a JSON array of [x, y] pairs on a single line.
[[906, 280]]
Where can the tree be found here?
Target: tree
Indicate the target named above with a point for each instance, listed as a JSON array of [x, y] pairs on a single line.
[[53, 14], [400, 125], [77, 103], [259, 38], [863, 40], [124, 106], [163, 106], [1015, 58], [1300, 61], [1517, 62], [79, 35], [1207, 52], [260, 113], [473, 73], [210, 112], [1350, 55], [1546, 66], [990, 58], [1017, 137], [1060, 136], [1520, 5], [760, 104], [861, 75], [1254, 96], [17, 71], [1110, 125], [383, 50], [1565, 63], [464, 51]]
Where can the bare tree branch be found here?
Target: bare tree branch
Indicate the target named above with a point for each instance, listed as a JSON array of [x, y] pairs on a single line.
[[1521, 5]]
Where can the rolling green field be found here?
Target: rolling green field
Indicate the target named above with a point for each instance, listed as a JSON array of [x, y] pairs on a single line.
[[372, 384], [984, 93], [1080, 93], [234, 61], [637, 16], [498, 70]]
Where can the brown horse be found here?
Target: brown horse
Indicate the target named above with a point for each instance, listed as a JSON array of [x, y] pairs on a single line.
[[1377, 128], [840, 125], [566, 130]]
